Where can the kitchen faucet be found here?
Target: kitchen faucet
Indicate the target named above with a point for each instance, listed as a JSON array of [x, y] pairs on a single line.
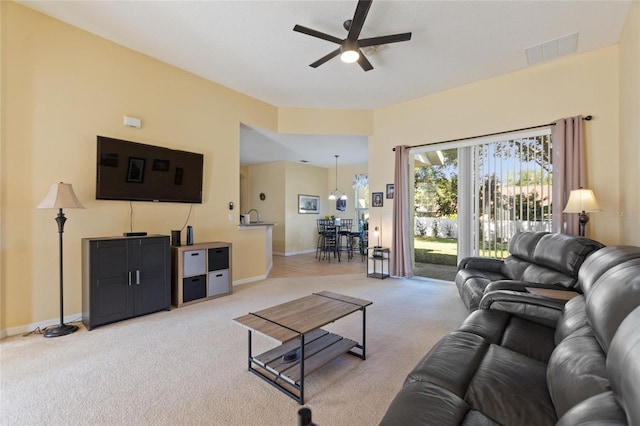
[[257, 215]]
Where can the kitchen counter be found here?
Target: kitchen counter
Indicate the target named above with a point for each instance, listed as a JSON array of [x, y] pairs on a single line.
[[256, 224]]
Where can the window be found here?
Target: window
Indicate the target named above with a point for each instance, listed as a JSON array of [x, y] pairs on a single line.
[[361, 188]]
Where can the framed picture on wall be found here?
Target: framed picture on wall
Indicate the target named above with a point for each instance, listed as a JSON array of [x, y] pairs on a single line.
[[135, 173], [390, 190], [376, 199], [341, 205], [308, 204]]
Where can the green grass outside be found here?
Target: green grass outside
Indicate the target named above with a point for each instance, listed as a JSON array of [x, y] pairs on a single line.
[[437, 251], [444, 251]]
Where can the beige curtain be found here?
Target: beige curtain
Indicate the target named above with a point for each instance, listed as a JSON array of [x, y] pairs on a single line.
[[400, 244], [568, 170]]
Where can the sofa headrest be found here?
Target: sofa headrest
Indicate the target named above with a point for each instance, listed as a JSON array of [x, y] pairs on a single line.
[[523, 244], [623, 366], [611, 298], [564, 253], [603, 260]]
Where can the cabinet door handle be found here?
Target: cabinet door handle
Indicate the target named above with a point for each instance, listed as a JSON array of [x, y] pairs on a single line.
[[218, 275], [195, 254], [129, 277], [138, 276]]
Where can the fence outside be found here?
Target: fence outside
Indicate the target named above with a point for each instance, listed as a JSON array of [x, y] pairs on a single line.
[[489, 231]]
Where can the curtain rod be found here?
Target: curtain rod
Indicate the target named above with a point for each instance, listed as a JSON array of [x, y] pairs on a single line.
[[588, 118]]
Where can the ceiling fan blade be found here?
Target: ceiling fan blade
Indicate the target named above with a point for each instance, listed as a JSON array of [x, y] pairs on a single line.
[[318, 34], [358, 19], [374, 41], [325, 58], [364, 62]]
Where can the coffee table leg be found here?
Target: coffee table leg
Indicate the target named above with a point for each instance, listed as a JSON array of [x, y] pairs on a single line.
[[362, 346], [364, 332], [249, 358], [301, 401]]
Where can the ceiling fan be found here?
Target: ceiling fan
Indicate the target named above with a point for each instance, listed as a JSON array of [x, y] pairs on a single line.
[[349, 49]]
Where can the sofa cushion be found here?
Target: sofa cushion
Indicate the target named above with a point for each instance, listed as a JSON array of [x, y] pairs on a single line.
[[525, 337], [611, 298], [423, 403], [511, 389], [577, 371], [603, 260], [573, 320], [600, 409], [451, 363], [523, 244], [564, 253], [623, 366]]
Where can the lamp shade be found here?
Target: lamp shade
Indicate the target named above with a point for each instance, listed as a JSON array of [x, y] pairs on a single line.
[[60, 196], [582, 200]]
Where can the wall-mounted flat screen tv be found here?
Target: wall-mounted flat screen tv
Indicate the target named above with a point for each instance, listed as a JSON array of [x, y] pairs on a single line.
[[138, 172]]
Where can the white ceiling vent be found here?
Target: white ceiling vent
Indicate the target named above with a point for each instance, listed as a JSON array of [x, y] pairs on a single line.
[[552, 49]]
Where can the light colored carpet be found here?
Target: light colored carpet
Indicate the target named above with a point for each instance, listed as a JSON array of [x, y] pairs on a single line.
[[188, 366]]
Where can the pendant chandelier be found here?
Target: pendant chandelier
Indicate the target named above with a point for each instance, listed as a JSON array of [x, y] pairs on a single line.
[[336, 193]]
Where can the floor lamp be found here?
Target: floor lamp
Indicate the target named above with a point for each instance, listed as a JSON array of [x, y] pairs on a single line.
[[582, 201], [60, 196]]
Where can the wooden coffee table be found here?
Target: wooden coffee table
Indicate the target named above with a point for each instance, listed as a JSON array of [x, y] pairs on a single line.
[[304, 346]]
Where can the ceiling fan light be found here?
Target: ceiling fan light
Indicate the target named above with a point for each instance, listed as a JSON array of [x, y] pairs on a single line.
[[349, 56]]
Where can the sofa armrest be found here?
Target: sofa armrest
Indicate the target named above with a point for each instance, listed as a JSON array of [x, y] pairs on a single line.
[[533, 307], [481, 263], [514, 285]]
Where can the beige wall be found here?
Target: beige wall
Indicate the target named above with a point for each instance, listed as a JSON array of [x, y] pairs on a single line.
[[269, 179], [62, 87], [323, 122], [581, 84], [629, 208], [301, 232]]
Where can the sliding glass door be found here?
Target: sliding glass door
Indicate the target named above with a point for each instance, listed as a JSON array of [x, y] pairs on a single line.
[[471, 197]]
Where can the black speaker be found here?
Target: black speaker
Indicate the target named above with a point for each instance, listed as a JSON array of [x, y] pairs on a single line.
[[189, 235], [175, 238]]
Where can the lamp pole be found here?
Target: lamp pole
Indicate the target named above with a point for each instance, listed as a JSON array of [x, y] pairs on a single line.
[[63, 329]]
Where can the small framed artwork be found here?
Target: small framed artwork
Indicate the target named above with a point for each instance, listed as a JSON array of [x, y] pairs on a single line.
[[390, 190], [135, 173], [177, 178], [341, 205], [160, 165], [308, 204], [109, 160], [376, 199]]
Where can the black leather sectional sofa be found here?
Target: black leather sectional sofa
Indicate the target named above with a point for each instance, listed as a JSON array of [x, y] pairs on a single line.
[[542, 259], [505, 368]]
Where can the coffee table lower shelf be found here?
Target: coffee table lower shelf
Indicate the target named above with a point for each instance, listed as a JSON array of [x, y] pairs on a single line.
[[320, 348]]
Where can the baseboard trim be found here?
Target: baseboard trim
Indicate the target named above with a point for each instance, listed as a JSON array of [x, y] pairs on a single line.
[[293, 253], [249, 280], [22, 329]]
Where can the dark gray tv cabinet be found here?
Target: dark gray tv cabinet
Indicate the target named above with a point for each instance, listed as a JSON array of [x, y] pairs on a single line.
[[124, 277]]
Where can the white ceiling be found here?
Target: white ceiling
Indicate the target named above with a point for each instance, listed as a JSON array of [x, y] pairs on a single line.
[[250, 47]]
